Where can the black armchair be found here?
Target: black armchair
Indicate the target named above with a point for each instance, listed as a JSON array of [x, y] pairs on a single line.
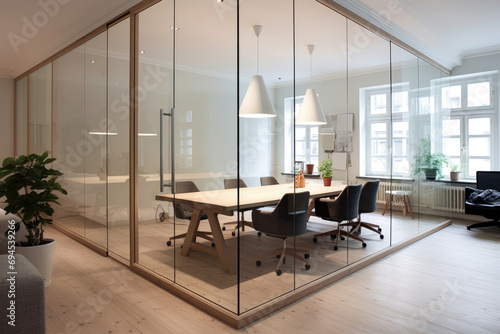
[[485, 180], [367, 204], [288, 219], [344, 207]]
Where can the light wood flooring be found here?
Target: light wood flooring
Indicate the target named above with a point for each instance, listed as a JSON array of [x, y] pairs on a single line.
[[445, 283]]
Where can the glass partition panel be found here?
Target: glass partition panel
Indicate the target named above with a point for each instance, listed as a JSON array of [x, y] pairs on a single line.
[[155, 88], [70, 138], [40, 110], [21, 116], [320, 73], [266, 66], [93, 147], [205, 122], [436, 132], [404, 125], [117, 130], [369, 100]]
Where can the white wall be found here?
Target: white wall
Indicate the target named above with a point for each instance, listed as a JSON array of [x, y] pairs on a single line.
[[7, 113]]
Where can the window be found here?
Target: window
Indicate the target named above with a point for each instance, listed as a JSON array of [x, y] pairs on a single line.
[[470, 108], [382, 127], [306, 138]]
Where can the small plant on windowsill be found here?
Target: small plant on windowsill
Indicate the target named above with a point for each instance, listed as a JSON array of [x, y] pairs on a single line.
[[326, 171], [455, 170]]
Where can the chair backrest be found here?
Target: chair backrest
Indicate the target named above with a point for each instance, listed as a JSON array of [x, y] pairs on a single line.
[[344, 207], [234, 183], [368, 197], [268, 180], [488, 180], [288, 218], [184, 211]]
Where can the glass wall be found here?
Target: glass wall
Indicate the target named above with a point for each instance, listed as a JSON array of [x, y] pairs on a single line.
[[155, 88], [193, 143], [21, 116], [40, 110], [118, 146]]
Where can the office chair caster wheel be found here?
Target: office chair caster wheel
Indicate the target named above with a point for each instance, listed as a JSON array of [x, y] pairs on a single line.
[[333, 236], [306, 256], [169, 243], [213, 244], [335, 247], [233, 234], [258, 263], [278, 256], [308, 267], [182, 245], [223, 228], [342, 238], [468, 228], [315, 239], [278, 272], [364, 245], [379, 229], [381, 236], [259, 233]]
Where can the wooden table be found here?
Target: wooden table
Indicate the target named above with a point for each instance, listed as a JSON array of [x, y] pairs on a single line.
[[225, 202]]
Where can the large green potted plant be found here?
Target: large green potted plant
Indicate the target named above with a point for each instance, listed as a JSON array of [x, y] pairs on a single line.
[[431, 164], [326, 171], [29, 187]]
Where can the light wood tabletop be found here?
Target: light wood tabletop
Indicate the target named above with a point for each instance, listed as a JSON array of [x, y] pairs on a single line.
[[225, 202]]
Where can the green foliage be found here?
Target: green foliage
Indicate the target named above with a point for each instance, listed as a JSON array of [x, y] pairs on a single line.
[[28, 185], [457, 168], [427, 160], [325, 168]]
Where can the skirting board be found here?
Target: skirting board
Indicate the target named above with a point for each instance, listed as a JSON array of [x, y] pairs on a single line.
[[239, 321]]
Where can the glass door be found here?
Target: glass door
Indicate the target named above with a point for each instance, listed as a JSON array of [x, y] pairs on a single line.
[[154, 95]]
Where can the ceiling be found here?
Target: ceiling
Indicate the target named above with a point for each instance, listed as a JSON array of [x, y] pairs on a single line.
[[444, 30]]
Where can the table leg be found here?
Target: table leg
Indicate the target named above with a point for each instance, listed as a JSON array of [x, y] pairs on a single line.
[[387, 202], [194, 224], [220, 244], [310, 209]]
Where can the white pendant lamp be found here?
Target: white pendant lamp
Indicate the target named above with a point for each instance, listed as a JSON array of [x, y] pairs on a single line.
[[257, 103], [310, 112]]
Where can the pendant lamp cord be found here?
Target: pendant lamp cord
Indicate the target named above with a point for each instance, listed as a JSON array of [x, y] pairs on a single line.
[[257, 55]]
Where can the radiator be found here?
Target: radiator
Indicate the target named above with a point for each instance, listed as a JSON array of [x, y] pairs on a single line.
[[433, 195]]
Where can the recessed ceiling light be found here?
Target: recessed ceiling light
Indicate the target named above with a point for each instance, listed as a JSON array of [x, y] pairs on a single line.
[[116, 83], [142, 51], [93, 61], [174, 28]]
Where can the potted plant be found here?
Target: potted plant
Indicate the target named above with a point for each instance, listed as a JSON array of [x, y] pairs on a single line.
[[326, 171], [455, 170], [431, 164], [28, 187]]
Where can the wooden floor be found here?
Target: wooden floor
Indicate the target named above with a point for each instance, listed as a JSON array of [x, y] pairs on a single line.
[[445, 283]]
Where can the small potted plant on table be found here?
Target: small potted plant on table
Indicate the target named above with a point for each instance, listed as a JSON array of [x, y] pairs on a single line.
[[326, 171]]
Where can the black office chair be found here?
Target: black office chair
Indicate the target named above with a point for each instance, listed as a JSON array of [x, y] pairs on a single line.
[[268, 180], [184, 211], [344, 207], [484, 180], [231, 184], [288, 219], [367, 204]]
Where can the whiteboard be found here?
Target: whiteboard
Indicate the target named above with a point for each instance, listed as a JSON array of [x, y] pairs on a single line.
[[339, 160]]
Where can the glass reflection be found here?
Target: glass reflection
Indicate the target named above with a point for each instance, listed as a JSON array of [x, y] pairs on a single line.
[[369, 99], [155, 70], [117, 127]]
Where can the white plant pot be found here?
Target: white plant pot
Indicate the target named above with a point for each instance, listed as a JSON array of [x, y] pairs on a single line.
[[42, 257]]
